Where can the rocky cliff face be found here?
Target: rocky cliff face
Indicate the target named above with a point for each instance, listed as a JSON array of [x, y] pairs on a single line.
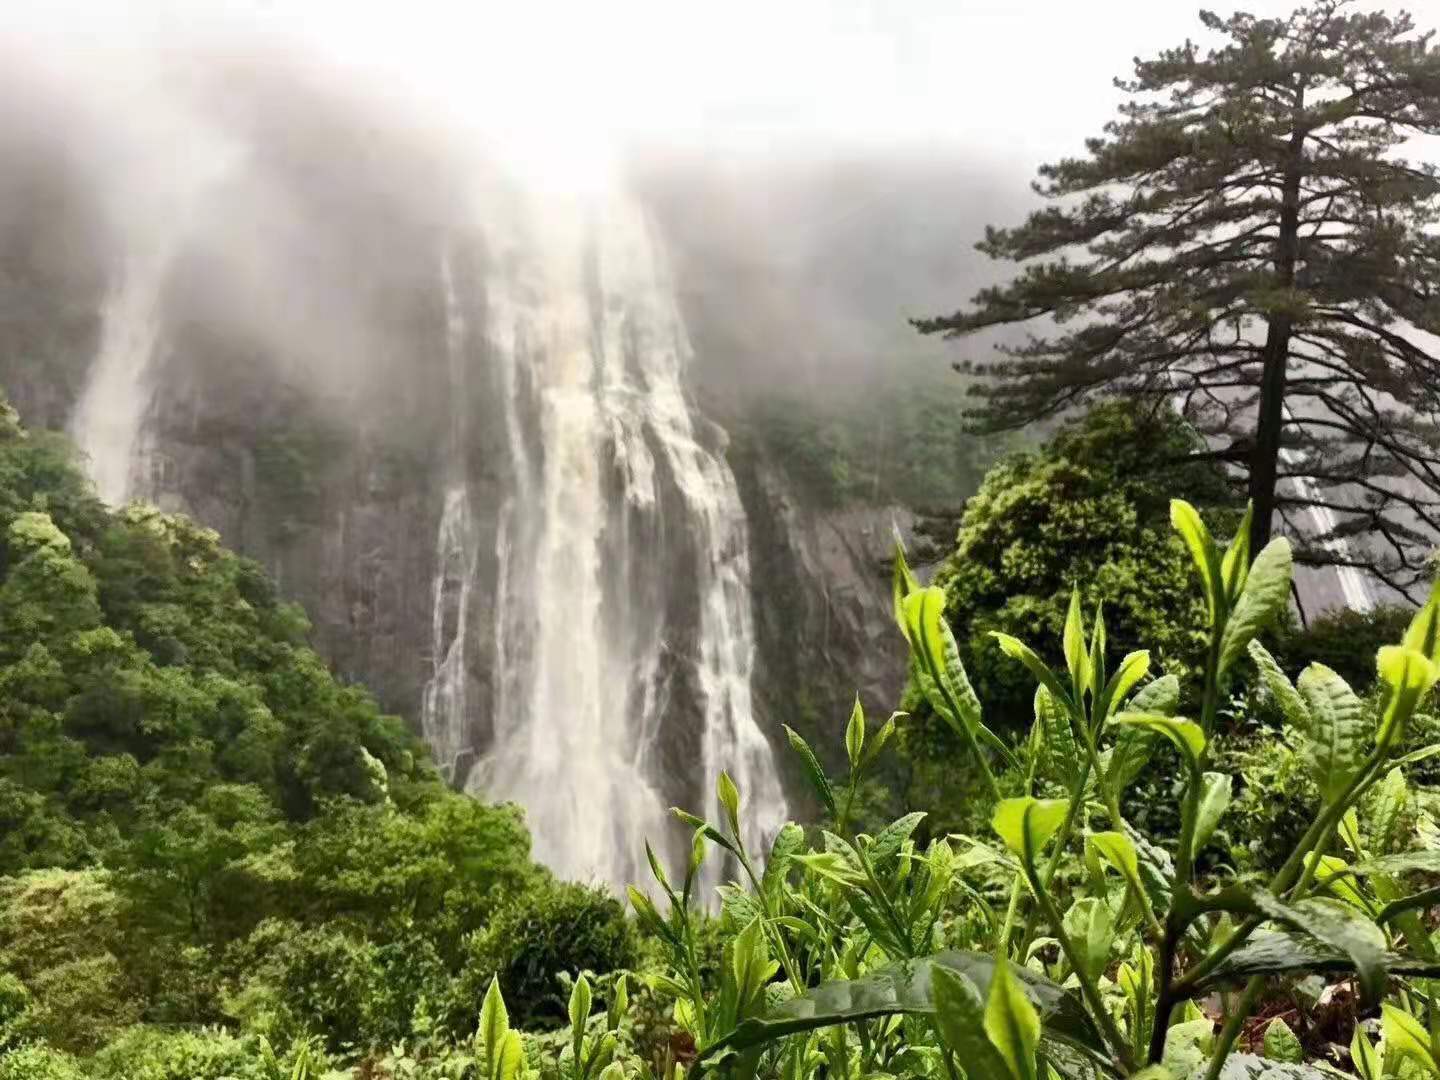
[[332, 381]]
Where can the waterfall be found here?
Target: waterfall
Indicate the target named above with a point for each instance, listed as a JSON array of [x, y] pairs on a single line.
[[445, 705], [622, 573], [111, 409]]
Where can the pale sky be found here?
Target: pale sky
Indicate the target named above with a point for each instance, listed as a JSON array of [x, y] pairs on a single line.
[[563, 84], [1024, 80]]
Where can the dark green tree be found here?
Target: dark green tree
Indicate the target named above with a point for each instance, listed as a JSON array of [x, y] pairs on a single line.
[[1247, 239]]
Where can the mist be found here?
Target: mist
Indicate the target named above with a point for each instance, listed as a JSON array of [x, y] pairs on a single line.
[[823, 168]]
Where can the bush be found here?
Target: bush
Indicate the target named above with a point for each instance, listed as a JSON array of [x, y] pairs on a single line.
[[57, 932], [535, 937], [39, 1062], [1345, 641], [1091, 510], [146, 1053]]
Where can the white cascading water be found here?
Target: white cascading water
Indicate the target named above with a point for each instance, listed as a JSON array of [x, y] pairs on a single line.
[[445, 705], [110, 412], [613, 487]]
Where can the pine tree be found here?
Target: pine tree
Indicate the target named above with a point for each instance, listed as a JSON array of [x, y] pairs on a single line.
[[1247, 240]]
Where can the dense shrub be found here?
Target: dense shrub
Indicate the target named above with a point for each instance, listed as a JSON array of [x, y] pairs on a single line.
[[1344, 640], [559, 928], [40, 1062], [1090, 510]]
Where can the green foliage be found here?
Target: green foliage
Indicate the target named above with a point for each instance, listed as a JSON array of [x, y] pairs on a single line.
[[200, 826], [1253, 190], [547, 931], [1093, 944], [1089, 510]]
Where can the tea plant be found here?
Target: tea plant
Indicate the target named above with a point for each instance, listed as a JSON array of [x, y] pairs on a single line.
[[860, 956]]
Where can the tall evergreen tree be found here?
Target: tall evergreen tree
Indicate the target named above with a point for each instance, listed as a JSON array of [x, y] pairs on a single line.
[[1247, 239]]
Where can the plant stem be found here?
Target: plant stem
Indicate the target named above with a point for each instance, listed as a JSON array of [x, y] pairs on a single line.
[[1088, 988], [1231, 1031]]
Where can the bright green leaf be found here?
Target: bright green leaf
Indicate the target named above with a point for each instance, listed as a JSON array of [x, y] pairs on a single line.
[[1335, 747], [1266, 592], [1012, 1022], [855, 734], [1186, 521], [1026, 824]]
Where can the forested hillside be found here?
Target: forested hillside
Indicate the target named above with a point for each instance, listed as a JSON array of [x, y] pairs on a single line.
[[202, 826]]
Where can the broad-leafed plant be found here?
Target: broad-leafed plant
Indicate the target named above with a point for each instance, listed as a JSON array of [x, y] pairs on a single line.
[[1071, 944]]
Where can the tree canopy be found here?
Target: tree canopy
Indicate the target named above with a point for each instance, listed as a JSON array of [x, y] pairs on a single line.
[[1247, 239]]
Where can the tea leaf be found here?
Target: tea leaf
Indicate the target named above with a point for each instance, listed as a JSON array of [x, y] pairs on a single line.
[[813, 772], [494, 1024], [1281, 1044], [1292, 705], [1185, 734], [855, 735], [1012, 1022], [1077, 655], [1215, 793], [1026, 824], [1185, 519], [1266, 592], [1335, 748], [1091, 927], [1406, 1037], [960, 1016]]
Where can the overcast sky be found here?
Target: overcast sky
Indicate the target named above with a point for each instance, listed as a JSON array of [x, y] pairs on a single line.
[[1011, 80]]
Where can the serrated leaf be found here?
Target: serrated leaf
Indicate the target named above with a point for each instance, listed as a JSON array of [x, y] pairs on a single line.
[[1335, 746], [1266, 592], [1060, 753], [1281, 1044], [1185, 519], [1406, 1037], [1091, 928], [789, 841], [813, 772], [1423, 633], [1250, 1067], [1407, 676], [1292, 705], [1288, 952], [1012, 1022], [831, 866], [1096, 662], [1187, 1046], [1026, 824], [1386, 806], [907, 987], [1215, 794], [887, 842], [960, 1016], [1368, 1061], [506, 1064], [1134, 667], [902, 584], [881, 737], [729, 796], [855, 734], [1331, 922], [1161, 696], [1117, 850], [1187, 736], [494, 1023], [933, 645], [581, 1002], [1426, 859]]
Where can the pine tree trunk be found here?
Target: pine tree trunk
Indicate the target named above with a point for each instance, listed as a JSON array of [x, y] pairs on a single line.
[[1265, 464]]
